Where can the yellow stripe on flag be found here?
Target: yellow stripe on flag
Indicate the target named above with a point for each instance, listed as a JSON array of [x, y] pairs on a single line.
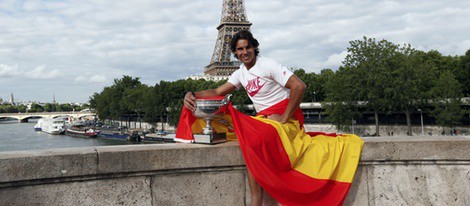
[[219, 124], [198, 126], [319, 157]]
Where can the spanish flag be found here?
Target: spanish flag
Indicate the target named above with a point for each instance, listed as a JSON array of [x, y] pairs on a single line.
[[293, 166], [189, 124]]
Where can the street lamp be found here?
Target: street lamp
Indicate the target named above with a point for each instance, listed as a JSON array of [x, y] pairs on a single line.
[[422, 126], [353, 122], [314, 93]]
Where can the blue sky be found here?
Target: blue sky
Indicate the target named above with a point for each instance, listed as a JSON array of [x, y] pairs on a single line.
[[72, 49]]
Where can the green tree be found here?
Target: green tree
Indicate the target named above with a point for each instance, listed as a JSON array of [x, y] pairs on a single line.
[[153, 106], [119, 92], [320, 89], [312, 82], [341, 103], [412, 76], [463, 73], [101, 102], [48, 107], [174, 111], [447, 99], [36, 108], [134, 99], [10, 108], [111, 103], [65, 107], [80, 107], [21, 108], [443, 63], [370, 63]]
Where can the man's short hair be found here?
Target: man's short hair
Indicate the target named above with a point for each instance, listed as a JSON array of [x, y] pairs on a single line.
[[244, 34]]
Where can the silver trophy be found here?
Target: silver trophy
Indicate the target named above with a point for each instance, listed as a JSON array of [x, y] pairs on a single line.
[[206, 109]]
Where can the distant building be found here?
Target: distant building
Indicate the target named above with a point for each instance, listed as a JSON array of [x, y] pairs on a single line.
[[12, 99], [29, 105], [208, 77]]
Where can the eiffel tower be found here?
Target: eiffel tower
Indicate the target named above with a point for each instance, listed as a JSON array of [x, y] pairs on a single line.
[[233, 20]]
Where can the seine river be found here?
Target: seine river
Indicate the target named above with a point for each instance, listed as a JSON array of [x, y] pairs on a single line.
[[21, 136]]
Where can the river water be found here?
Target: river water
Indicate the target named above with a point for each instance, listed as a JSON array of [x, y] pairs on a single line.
[[21, 136]]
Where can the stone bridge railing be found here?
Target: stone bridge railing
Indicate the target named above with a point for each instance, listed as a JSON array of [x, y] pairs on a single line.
[[392, 171]]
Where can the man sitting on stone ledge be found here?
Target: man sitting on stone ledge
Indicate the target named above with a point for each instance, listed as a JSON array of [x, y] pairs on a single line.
[[291, 165]]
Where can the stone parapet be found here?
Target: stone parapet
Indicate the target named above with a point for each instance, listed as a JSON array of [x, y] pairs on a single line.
[[418, 148], [413, 171], [399, 170]]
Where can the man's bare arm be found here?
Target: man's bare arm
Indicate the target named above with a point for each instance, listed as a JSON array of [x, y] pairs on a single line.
[[297, 89]]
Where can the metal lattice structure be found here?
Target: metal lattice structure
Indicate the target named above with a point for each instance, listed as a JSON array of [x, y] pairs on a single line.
[[233, 19]]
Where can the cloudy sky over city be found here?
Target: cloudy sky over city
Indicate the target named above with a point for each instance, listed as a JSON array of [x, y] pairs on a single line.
[[72, 49]]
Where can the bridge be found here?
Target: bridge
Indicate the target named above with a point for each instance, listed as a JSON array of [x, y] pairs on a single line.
[[24, 117]]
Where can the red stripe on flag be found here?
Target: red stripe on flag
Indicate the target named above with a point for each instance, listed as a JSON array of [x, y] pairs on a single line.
[[280, 107], [184, 131]]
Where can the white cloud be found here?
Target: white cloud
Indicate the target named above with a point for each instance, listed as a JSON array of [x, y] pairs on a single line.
[[89, 78], [38, 72], [9, 71], [80, 79], [98, 79], [335, 60], [41, 73]]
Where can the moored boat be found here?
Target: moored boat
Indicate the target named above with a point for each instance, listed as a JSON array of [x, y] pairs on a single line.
[[134, 137], [113, 134], [81, 130], [37, 127], [50, 126]]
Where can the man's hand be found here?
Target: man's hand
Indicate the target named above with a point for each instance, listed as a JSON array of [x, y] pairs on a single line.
[[189, 101], [277, 117]]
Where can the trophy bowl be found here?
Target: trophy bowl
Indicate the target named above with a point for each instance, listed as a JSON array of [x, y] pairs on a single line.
[[207, 109]]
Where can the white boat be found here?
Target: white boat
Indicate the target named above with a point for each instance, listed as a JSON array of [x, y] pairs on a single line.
[[37, 127], [52, 126]]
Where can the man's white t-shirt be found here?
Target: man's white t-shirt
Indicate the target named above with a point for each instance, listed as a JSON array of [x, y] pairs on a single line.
[[264, 82]]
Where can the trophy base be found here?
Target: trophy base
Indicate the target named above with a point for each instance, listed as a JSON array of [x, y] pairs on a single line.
[[210, 138]]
